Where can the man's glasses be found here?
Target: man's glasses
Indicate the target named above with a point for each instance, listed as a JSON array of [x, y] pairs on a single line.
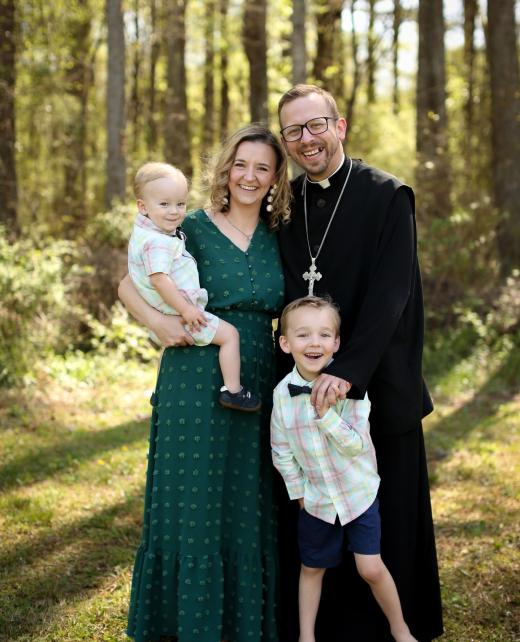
[[314, 126]]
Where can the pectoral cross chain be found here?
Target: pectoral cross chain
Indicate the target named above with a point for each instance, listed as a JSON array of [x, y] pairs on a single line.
[[312, 276]]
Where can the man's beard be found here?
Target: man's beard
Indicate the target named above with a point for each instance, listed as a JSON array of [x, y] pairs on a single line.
[[329, 149]]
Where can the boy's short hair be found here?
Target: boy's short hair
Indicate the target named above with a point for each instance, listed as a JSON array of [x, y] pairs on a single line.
[[315, 302], [301, 90], [153, 171]]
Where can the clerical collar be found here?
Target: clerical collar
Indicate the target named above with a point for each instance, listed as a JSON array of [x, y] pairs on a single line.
[[326, 181]]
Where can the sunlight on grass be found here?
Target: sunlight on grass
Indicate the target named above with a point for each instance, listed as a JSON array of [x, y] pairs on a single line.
[[73, 475]]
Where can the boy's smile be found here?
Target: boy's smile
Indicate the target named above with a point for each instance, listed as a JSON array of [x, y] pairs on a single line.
[[312, 339]]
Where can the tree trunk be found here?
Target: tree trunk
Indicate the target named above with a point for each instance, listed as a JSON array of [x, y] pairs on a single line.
[[328, 18], [299, 57], [433, 172], [298, 50], [154, 55], [371, 52], [208, 136], [116, 137], [470, 12], [397, 25], [255, 45], [8, 184], [505, 101], [224, 87], [135, 80], [176, 131], [356, 76]]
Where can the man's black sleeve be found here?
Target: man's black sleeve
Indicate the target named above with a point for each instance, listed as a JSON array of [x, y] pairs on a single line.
[[386, 297]]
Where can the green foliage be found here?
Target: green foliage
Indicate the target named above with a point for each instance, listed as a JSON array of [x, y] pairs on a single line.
[[112, 227], [36, 315]]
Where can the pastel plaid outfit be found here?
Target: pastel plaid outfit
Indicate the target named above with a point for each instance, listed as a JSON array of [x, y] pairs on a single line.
[[153, 250], [329, 461]]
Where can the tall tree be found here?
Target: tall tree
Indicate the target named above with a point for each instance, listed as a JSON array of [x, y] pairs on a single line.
[[77, 82], [357, 72], [255, 45], [433, 171], [176, 129], [371, 52], [208, 136], [8, 184], [470, 12], [505, 100], [298, 49], [154, 56], [116, 137], [328, 22], [398, 19], [299, 56], [224, 86], [135, 102]]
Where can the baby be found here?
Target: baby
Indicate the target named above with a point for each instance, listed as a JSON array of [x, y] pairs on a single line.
[[165, 274], [328, 463]]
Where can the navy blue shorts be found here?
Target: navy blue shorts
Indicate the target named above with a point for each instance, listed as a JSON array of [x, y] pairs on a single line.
[[321, 543]]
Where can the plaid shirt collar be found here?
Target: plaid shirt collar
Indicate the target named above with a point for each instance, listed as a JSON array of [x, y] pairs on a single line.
[[147, 224]]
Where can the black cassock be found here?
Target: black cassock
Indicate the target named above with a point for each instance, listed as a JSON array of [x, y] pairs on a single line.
[[370, 269]]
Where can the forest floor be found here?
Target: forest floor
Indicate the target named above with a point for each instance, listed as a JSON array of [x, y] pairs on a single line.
[[72, 480]]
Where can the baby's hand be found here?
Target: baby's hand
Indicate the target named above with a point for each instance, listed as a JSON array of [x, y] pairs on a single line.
[[194, 318]]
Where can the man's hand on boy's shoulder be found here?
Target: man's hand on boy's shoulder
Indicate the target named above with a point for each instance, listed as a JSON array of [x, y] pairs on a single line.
[[331, 386]]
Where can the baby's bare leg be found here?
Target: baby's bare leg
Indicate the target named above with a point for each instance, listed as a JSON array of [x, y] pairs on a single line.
[[228, 339], [373, 570], [309, 594]]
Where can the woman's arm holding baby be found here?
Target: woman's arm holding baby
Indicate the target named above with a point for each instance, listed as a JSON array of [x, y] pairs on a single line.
[[168, 328]]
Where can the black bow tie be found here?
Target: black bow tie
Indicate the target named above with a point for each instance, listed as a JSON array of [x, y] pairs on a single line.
[[294, 390]]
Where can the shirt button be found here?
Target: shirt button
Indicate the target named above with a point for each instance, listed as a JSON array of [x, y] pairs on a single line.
[[253, 292], [321, 202], [249, 266], [247, 254], [251, 280]]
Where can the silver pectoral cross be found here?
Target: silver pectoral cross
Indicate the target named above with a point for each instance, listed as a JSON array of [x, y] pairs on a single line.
[[312, 276]]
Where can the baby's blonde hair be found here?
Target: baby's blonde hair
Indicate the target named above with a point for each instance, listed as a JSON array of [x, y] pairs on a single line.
[[151, 172], [314, 302]]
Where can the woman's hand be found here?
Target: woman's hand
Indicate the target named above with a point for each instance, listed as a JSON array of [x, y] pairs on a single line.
[[170, 331]]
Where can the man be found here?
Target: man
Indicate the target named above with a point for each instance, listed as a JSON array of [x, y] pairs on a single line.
[[352, 235]]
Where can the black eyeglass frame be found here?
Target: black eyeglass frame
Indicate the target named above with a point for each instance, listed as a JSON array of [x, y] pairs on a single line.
[[326, 118]]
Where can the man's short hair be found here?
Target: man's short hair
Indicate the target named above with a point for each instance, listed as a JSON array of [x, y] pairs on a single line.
[[314, 302], [299, 91], [153, 171]]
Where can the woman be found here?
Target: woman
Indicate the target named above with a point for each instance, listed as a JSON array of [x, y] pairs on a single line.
[[207, 566]]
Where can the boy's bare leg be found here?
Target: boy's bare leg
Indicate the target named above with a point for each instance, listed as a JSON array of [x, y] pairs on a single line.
[[373, 570], [309, 594], [228, 339]]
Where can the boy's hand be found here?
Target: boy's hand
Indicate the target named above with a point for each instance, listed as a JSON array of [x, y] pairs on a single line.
[[194, 318], [300, 501], [324, 408]]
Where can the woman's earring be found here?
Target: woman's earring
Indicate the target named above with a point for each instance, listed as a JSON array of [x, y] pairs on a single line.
[[225, 200], [269, 208]]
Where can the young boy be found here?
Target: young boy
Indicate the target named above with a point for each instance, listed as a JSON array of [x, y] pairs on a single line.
[[165, 274], [328, 463]]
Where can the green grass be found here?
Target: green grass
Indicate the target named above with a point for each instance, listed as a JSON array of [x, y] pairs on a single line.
[[72, 480]]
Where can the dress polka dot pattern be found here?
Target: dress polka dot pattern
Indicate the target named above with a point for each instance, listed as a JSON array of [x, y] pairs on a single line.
[[207, 565]]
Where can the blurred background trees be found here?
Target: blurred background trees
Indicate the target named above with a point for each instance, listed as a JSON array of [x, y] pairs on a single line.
[[91, 89]]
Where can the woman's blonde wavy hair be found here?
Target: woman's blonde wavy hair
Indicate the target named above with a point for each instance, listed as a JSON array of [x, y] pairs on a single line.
[[216, 176]]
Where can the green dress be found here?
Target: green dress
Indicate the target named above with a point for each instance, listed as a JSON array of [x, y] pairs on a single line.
[[207, 567]]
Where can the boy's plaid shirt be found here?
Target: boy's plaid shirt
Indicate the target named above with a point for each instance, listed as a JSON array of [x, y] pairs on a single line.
[[330, 462]]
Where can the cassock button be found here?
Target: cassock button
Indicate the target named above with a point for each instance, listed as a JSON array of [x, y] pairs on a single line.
[[321, 202]]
